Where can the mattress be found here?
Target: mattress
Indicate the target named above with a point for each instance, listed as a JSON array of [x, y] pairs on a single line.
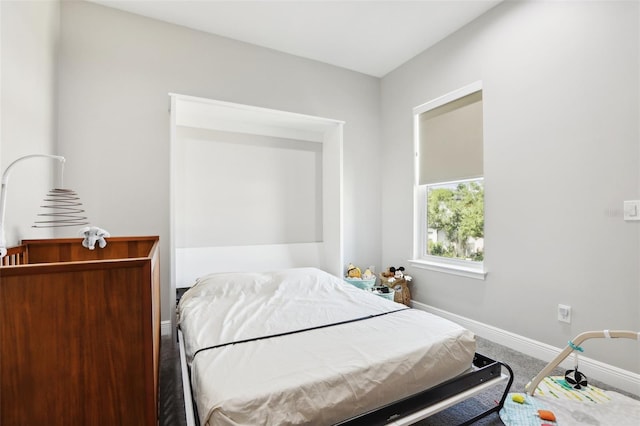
[[301, 346]]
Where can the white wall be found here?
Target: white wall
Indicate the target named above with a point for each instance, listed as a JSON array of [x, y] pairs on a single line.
[[263, 189], [561, 106], [116, 70], [28, 119]]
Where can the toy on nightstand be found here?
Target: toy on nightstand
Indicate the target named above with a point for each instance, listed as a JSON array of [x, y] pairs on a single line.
[[395, 278], [394, 273], [353, 271], [367, 275], [354, 276]]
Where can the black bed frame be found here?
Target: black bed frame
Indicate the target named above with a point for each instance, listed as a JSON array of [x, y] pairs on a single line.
[[484, 370]]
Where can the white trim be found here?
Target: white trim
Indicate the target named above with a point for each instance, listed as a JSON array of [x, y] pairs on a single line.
[[609, 374], [165, 328], [212, 114], [186, 384], [451, 96], [464, 270]]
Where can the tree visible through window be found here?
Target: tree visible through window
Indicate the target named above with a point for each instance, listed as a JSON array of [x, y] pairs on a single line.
[[449, 185], [455, 220]]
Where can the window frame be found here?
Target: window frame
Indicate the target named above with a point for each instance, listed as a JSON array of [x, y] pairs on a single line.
[[460, 267]]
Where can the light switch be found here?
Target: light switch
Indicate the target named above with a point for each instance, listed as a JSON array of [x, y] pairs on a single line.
[[632, 210]]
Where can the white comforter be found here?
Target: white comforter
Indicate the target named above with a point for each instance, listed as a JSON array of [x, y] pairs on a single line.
[[319, 376]]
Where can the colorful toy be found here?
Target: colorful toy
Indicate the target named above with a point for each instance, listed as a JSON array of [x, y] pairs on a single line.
[[569, 399], [518, 398], [547, 415], [394, 273], [353, 271]]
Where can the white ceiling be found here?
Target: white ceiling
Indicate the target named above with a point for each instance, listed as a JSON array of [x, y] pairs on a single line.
[[372, 37]]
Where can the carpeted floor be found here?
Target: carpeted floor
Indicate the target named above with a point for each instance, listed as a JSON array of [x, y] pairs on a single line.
[[171, 399], [524, 368]]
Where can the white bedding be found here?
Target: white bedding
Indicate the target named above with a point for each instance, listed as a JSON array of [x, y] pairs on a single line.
[[319, 376]]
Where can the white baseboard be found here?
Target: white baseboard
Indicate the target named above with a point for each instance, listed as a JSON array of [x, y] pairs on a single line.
[[609, 374], [165, 328]]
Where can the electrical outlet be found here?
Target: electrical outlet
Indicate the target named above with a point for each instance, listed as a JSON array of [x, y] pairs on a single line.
[[564, 313]]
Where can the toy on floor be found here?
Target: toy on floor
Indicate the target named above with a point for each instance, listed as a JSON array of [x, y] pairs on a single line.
[[524, 410], [574, 377], [547, 415], [569, 400], [518, 398]]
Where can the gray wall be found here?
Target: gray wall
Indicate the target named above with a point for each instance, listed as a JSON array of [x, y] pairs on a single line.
[[116, 70], [28, 118], [561, 150]]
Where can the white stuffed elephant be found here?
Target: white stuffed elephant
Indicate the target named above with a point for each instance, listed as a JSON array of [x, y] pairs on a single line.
[[93, 235]]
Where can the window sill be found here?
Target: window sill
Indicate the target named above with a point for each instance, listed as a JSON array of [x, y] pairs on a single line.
[[453, 268]]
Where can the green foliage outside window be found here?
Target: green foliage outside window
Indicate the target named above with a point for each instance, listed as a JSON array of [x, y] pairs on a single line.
[[455, 220]]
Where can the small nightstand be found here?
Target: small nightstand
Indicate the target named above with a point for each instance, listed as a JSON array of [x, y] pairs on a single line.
[[403, 295]]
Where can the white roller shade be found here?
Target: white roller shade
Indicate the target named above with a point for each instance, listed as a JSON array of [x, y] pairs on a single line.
[[450, 141]]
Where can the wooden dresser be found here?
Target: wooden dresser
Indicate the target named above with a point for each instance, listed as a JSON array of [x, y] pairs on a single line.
[[80, 333]]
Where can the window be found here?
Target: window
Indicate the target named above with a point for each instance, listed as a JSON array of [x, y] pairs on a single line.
[[455, 220], [449, 189]]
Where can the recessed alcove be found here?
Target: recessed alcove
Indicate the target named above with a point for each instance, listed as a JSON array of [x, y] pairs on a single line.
[[252, 189]]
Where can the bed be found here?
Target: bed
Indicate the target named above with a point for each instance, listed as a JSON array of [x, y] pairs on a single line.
[[301, 346], [295, 346]]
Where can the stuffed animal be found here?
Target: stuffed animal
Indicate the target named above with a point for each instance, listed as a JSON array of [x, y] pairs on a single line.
[[93, 235], [353, 271], [396, 274], [367, 275]]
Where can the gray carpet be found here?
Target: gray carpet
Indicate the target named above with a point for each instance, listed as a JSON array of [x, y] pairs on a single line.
[[171, 402], [524, 368]]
